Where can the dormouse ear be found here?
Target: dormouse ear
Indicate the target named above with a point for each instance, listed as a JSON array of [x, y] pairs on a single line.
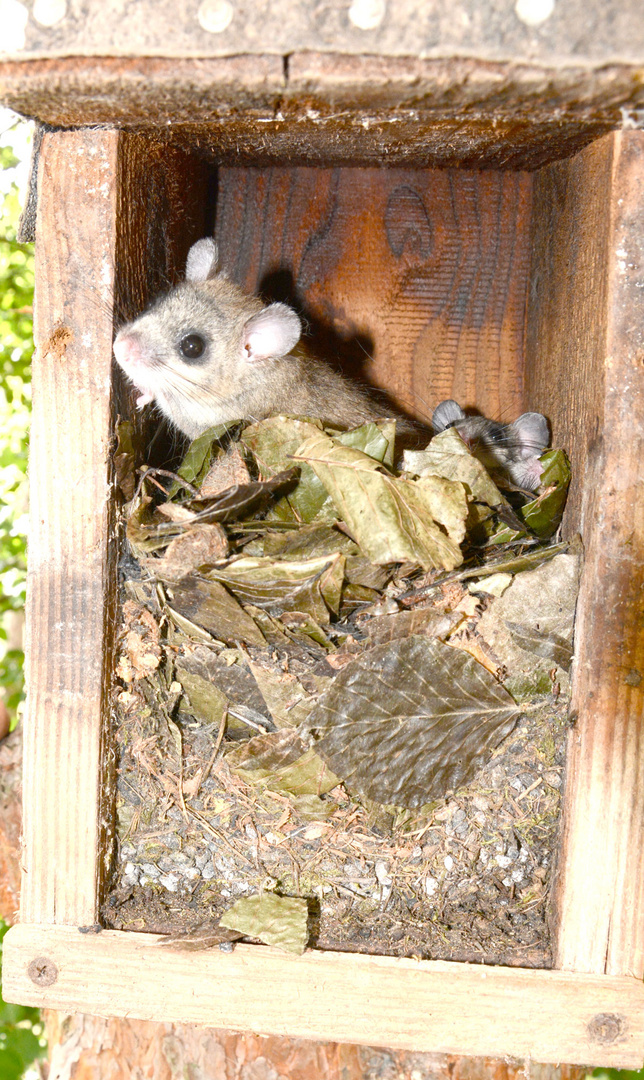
[[532, 432], [271, 334], [201, 263], [446, 414]]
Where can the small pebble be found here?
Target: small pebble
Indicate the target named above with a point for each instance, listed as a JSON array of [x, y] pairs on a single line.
[[503, 861], [151, 870], [382, 875], [169, 882], [431, 886], [190, 873], [448, 862], [553, 778]]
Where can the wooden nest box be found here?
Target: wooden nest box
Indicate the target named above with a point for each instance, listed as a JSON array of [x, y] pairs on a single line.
[[464, 194]]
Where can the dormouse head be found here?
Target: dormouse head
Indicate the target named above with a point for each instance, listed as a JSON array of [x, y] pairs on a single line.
[[510, 448], [199, 347]]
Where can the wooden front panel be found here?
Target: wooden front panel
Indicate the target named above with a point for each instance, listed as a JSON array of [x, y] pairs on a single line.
[[414, 280], [113, 217], [586, 370], [424, 1005]]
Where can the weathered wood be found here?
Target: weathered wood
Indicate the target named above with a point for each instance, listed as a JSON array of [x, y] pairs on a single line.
[[414, 280], [335, 108], [95, 188], [546, 1016], [91, 1048], [70, 582], [591, 31], [585, 370]]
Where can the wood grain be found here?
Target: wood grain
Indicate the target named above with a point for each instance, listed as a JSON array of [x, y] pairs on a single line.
[[334, 108], [108, 227], [585, 364], [70, 559], [546, 1016], [415, 279]]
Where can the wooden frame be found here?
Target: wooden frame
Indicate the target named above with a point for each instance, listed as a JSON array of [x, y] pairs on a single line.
[[584, 367]]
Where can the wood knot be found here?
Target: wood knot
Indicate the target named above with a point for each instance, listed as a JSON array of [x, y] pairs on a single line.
[[55, 347], [607, 1028], [42, 971]]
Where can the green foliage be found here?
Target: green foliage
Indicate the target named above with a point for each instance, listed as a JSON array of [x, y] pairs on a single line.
[[21, 1040], [617, 1074], [16, 304]]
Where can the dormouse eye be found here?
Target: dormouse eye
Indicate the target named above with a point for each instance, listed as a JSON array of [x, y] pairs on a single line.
[[192, 347], [497, 435]]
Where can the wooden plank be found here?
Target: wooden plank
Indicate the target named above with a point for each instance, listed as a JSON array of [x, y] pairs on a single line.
[[98, 238], [414, 280], [546, 1016], [336, 108], [585, 370], [70, 567], [408, 28]]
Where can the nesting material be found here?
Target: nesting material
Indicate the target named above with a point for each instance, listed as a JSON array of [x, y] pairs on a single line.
[[315, 707]]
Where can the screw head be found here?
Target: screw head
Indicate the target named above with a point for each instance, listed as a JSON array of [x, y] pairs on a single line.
[[607, 1028], [42, 971]]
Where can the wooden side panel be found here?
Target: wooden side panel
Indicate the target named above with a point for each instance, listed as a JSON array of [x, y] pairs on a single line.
[[585, 368], [103, 231], [70, 573], [546, 1016], [416, 280]]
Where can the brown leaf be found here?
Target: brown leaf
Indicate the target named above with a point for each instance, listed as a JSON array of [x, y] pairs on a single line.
[[201, 545], [227, 471], [409, 721]]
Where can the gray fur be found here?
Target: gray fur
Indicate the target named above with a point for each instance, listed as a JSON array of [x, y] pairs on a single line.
[[510, 449], [253, 366]]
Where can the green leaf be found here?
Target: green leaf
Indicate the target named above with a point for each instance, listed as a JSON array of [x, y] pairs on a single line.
[[207, 701], [272, 443], [280, 761], [307, 542], [544, 513], [275, 441], [312, 586], [276, 920], [448, 456], [200, 454], [392, 519], [212, 682], [402, 624], [407, 722], [288, 701]]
